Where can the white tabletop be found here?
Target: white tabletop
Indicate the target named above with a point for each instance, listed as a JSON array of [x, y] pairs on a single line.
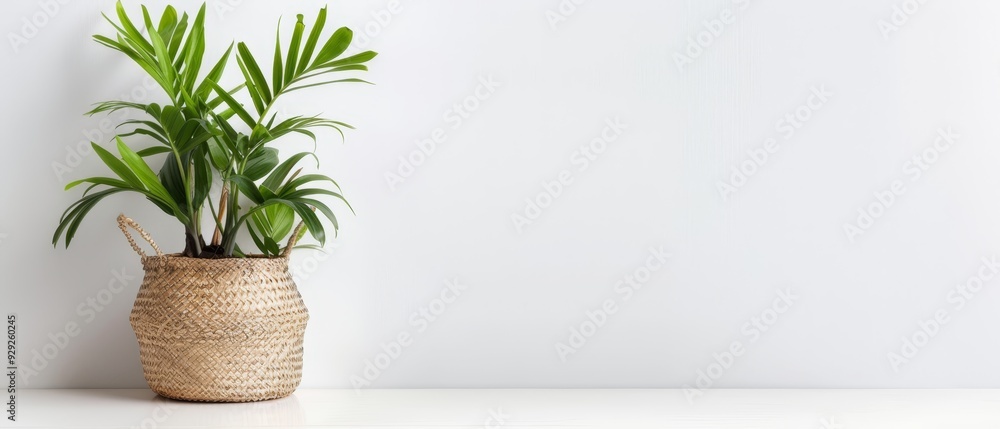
[[514, 408]]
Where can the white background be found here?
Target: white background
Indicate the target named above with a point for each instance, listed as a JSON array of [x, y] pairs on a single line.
[[655, 185]]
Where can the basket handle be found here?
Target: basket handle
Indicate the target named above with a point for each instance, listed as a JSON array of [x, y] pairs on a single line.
[[124, 224], [291, 240]]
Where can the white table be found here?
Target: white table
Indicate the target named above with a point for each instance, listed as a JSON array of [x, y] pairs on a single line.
[[800, 409]]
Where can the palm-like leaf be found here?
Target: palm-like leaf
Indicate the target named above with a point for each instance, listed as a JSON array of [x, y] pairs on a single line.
[[293, 68], [197, 140]]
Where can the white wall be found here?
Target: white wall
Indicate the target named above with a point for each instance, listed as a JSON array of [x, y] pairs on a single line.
[[657, 184]]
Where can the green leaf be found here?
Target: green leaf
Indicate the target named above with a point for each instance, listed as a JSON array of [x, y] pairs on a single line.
[[129, 28], [217, 101], [233, 104], [229, 135], [301, 193], [117, 166], [196, 140], [188, 129], [149, 22], [145, 174], [170, 211], [259, 241], [162, 58], [259, 218], [195, 53], [255, 96], [247, 187], [142, 61], [114, 106], [304, 179], [202, 177], [174, 182], [107, 181], [277, 75], [192, 135], [71, 218], [319, 205], [217, 152], [281, 219], [335, 45], [172, 121], [275, 134], [277, 177], [310, 247], [271, 246], [255, 74], [354, 59], [147, 57], [168, 22], [351, 80], [351, 67], [273, 222], [311, 41], [205, 88], [309, 218], [316, 228], [242, 146], [261, 163], [176, 36], [301, 125], [259, 135], [303, 210], [143, 131], [152, 126], [155, 150], [293, 52]]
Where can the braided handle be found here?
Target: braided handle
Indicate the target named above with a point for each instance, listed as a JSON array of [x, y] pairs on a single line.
[[291, 240], [124, 224]]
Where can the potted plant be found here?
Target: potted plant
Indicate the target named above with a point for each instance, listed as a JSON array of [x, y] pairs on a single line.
[[216, 322]]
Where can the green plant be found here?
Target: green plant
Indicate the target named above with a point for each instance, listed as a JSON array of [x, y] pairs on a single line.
[[203, 131]]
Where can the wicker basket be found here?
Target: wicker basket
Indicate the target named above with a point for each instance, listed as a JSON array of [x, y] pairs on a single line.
[[218, 330]]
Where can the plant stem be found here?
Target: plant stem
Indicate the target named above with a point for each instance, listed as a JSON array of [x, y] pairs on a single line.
[[192, 248], [229, 236], [217, 236]]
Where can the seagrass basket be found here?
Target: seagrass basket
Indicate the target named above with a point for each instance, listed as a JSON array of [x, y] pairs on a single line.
[[218, 330]]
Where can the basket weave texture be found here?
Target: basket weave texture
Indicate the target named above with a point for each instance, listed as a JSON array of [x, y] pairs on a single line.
[[218, 330]]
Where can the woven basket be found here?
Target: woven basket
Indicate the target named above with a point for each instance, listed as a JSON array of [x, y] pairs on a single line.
[[218, 330]]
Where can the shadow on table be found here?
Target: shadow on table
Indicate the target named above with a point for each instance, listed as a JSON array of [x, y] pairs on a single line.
[[276, 412]]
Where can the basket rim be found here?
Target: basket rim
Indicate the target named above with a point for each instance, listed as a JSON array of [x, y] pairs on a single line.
[[255, 256], [178, 258]]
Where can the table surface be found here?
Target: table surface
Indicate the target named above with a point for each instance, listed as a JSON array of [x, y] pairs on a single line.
[[517, 408]]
